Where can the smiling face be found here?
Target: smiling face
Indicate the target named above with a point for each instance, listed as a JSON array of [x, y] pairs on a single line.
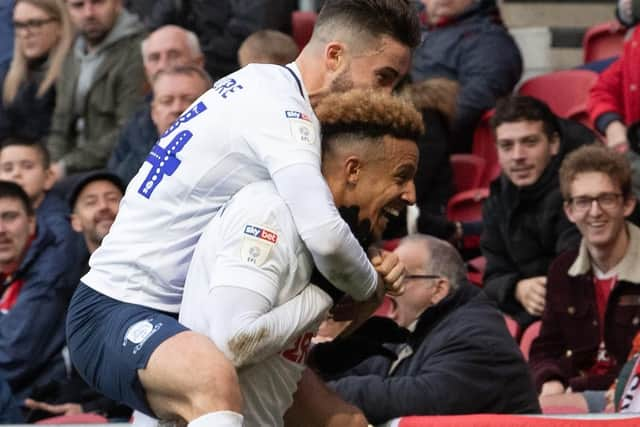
[[600, 226], [380, 67], [16, 226], [95, 210], [381, 184], [524, 151], [37, 32], [165, 48]]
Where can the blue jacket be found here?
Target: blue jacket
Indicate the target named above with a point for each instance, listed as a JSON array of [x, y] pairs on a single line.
[[463, 361], [477, 51], [135, 142], [32, 330]]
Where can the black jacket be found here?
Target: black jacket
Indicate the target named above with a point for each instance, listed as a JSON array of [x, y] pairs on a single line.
[[477, 51], [28, 115], [222, 25], [464, 361], [526, 228]]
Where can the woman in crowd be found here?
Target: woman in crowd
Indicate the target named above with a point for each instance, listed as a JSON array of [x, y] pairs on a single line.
[[43, 35]]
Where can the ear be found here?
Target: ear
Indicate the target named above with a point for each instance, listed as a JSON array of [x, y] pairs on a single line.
[[32, 224], [50, 179], [567, 211], [441, 290], [554, 144], [334, 56], [353, 166], [75, 223], [629, 205]]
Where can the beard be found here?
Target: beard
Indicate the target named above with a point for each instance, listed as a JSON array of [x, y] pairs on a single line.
[[342, 83]]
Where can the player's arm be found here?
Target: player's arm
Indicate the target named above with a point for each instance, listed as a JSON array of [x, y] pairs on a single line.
[[286, 142], [247, 327]]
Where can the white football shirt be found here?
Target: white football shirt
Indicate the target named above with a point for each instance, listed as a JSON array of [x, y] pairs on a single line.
[[252, 244], [253, 122]]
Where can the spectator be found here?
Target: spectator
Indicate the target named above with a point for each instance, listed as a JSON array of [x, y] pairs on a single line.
[[591, 314], [221, 26], [170, 46], [167, 46], [174, 90], [525, 227], [465, 40], [94, 201], [27, 163], [458, 346], [102, 85], [268, 47], [43, 37], [36, 277]]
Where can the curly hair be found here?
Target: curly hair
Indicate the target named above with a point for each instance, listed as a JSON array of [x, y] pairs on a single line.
[[595, 158], [368, 113]]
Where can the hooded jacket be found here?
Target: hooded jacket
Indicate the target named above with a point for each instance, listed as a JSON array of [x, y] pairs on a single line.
[[98, 93], [524, 229], [460, 359], [478, 52]]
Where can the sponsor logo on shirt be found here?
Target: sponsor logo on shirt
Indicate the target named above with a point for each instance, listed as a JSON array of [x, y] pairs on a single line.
[[261, 233], [297, 115]]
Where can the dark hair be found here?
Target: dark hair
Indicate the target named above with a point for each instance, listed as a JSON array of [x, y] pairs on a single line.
[[395, 18], [519, 108], [595, 158], [11, 190], [36, 144]]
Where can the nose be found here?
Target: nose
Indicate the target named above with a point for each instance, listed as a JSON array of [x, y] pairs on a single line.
[[409, 194], [518, 151], [88, 9], [594, 209]]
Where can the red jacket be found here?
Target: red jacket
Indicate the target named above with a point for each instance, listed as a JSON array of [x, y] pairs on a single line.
[[569, 338], [617, 90]]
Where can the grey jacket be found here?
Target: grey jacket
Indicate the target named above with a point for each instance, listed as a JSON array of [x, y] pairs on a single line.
[[83, 135]]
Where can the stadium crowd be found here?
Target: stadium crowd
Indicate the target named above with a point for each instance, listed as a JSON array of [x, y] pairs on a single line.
[[511, 276]]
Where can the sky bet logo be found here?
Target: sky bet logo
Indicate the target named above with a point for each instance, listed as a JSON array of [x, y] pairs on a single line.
[[261, 233]]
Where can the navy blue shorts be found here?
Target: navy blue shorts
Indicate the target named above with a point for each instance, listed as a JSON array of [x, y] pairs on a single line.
[[109, 340]]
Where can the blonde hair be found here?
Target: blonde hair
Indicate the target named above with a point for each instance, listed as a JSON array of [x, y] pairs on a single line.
[[18, 69], [368, 112]]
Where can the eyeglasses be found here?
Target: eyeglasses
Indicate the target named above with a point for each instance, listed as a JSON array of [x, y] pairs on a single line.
[[421, 276], [605, 201], [32, 24]]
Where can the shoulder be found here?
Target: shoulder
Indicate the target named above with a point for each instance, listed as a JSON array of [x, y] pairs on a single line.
[[561, 264]]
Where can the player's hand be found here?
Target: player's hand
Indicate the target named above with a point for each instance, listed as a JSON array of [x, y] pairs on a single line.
[[531, 294], [61, 409], [390, 269]]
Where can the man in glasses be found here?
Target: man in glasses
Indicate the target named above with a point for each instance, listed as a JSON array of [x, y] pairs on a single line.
[[459, 357], [524, 225], [592, 307]]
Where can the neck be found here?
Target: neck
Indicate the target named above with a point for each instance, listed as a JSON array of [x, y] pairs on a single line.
[[608, 256], [312, 78]]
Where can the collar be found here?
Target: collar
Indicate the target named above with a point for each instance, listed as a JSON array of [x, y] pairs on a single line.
[[628, 269], [294, 68]]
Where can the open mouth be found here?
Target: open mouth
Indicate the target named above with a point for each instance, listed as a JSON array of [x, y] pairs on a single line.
[[390, 212]]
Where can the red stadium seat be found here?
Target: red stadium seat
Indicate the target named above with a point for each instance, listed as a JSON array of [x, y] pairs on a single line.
[[467, 205], [302, 23], [603, 41], [512, 326], [88, 418], [468, 170], [566, 92], [484, 147], [529, 334]]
